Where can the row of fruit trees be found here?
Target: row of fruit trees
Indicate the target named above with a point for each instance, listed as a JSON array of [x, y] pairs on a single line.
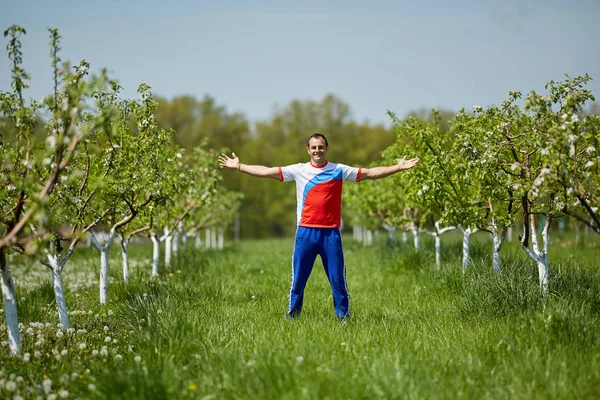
[[102, 166], [536, 157]]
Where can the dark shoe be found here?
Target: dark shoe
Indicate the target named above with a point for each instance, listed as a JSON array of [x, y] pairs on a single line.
[[291, 316]]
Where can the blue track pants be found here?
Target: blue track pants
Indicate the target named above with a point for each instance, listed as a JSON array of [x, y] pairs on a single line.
[[326, 242]]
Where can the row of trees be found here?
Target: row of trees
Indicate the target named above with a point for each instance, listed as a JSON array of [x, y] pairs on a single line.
[[104, 166], [268, 209], [492, 167]]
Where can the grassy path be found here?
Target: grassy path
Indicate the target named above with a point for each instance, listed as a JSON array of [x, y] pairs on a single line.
[[213, 327]]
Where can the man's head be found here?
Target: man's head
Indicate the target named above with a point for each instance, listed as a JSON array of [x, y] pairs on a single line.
[[317, 148]]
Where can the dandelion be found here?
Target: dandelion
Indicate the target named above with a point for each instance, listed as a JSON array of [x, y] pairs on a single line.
[[115, 341], [26, 357], [137, 359], [64, 352], [47, 385], [71, 331], [37, 354], [107, 339], [82, 346], [106, 328], [118, 357], [110, 312], [63, 394], [94, 352], [91, 387], [10, 386], [191, 386], [104, 351], [59, 334], [299, 359]]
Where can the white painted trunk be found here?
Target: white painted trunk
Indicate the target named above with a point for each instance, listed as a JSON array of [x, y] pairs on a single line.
[[466, 247], [10, 307], [543, 273], [104, 275], [59, 295], [220, 239], [104, 252], [155, 254], [438, 250], [367, 237], [496, 246], [198, 243], [168, 250], [404, 238], [416, 239], [125, 259], [207, 237], [509, 233], [213, 238], [376, 234], [175, 239], [359, 234], [391, 231], [540, 257], [236, 228]]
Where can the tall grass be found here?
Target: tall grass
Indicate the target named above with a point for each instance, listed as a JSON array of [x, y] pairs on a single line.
[[212, 326]]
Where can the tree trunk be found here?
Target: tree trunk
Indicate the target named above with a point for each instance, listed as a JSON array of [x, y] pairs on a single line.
[[168, 247], [467, 246], [125, 259], [391, 230], [198, 240], [175, 239], [59, 295], [10, 306], [404, 238], [497, 242], [213, 238], [207, 237], [155, 254], [416, 239], [104, 253], [540, 257], [220, 239]]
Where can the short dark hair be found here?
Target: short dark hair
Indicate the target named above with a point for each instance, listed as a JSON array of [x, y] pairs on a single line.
[[317, 135]]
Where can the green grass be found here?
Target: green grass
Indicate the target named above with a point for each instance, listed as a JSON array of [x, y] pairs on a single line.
[[212, 327]]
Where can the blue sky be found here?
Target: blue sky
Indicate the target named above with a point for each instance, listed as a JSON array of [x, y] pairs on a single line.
[[252, 56]]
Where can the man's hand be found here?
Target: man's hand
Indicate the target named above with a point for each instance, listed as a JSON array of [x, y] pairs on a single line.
[[408, 164], [225, 161]]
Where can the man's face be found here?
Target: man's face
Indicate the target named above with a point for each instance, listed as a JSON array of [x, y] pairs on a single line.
[[317, 151]]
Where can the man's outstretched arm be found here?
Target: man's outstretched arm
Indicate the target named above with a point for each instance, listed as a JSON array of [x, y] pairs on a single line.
[[382, 172], [254, 170]]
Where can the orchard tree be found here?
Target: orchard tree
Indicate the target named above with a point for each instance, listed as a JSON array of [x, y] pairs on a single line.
[[31, 170], [70, 204], [141, 176]]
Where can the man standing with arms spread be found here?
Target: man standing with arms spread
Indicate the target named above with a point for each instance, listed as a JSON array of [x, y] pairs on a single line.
[[319, 197]]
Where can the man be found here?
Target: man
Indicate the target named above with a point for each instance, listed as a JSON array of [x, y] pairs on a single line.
[[319, 196]]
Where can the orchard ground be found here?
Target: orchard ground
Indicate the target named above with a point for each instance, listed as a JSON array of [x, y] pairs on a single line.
[[212, 326]]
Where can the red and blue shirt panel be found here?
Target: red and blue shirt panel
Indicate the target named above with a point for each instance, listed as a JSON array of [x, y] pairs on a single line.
[[319, 191]]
